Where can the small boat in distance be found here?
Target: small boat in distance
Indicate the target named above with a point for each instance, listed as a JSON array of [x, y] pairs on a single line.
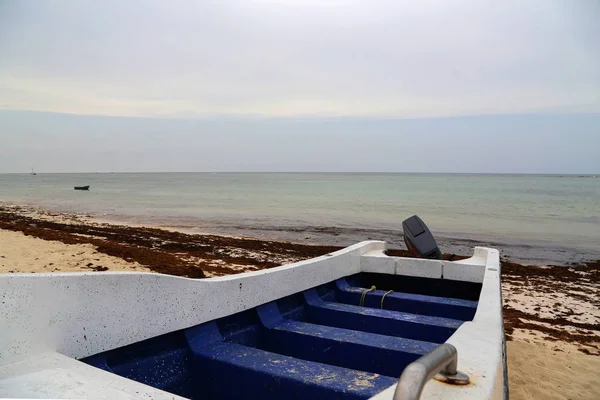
[[82, 188], [32, 172]]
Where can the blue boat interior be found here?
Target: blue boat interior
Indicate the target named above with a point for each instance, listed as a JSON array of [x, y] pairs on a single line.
[[348, 339]]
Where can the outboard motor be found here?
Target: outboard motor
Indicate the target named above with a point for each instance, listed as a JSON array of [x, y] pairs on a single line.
[[419, 240]]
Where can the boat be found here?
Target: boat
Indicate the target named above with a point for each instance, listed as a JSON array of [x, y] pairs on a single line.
[[82, 188], [32, 172], [352, 324]]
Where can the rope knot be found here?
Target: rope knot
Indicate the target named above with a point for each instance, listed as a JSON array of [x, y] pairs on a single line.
[[364, 295]]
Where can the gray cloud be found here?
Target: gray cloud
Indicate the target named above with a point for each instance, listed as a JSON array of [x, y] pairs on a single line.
[[307, 58]]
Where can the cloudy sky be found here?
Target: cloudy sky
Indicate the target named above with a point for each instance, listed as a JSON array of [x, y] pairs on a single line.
[[317, 72]]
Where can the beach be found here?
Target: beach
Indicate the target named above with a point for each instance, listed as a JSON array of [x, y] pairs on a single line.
[[552, 313], [531, 219]]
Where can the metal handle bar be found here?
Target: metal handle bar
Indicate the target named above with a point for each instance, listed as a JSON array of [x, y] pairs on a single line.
[[442, 363]]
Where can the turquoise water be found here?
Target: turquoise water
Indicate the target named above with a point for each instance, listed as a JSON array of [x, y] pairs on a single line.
[[561, 213]]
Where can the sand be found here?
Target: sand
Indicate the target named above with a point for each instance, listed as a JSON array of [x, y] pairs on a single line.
[[162, 251], [537, 372], [23, 254], [552, 314]]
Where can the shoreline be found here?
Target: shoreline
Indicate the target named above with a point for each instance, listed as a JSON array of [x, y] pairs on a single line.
[[551, 313], [522, 251], [160, 250], [312, 236]]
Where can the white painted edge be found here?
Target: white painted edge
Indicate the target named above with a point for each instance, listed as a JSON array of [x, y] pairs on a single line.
[[469, 270], [81, 314], [54, 375]]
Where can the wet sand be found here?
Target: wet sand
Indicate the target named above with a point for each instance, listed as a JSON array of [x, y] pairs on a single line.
[[552, 313], [160, 250], [526, 252]]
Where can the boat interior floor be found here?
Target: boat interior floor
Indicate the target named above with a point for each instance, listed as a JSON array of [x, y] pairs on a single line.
[[349, 339]]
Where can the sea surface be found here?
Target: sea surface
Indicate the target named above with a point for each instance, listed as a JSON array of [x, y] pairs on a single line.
[[530, 218]]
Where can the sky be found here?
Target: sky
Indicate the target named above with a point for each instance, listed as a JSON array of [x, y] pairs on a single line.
[[338, 85]]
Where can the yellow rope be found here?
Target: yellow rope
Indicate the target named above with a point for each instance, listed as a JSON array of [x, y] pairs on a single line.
[[364, 295], [383, 298]]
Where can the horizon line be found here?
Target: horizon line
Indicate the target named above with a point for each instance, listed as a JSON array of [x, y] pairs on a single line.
[[310, 172], [259, 117]]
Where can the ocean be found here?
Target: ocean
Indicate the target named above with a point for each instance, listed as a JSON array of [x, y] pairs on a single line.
[[530, 218]]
